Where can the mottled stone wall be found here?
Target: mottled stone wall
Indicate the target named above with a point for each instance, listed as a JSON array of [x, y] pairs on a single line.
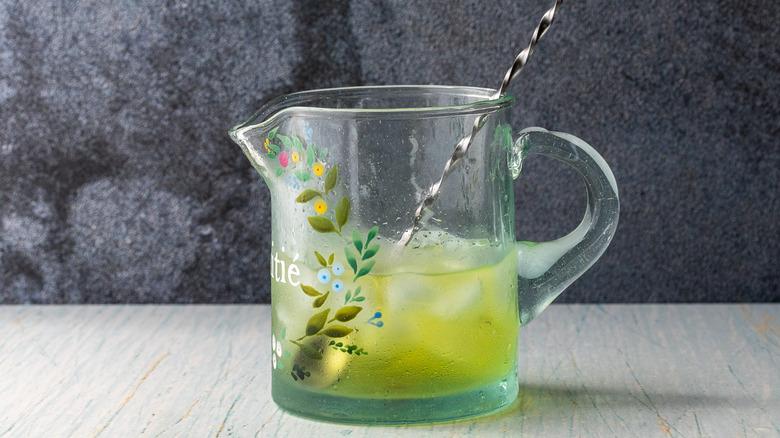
[[118, 182]]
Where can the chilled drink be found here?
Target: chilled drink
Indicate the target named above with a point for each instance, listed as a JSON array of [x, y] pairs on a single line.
[[436, 329]]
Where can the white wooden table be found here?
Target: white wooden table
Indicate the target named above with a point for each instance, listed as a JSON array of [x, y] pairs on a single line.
[[203, 371]]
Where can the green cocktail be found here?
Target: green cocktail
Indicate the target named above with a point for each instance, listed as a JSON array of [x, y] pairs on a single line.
[[435, 338]]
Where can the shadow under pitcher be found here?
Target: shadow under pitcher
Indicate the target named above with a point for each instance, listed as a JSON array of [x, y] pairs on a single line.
[[368, 330]]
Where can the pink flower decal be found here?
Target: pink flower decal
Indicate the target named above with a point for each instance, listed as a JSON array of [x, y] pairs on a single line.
[[284, 158]]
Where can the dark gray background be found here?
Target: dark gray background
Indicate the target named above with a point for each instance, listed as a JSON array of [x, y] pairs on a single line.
[[118, 182]]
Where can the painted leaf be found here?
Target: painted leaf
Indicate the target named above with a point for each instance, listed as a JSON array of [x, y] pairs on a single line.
[[330, 259], [331, 178], [364, 270], [347, 313], [297, 143], [347, 296], [320, 300], [279, 172], [308, 350], [371, 251], [357, 241], [337, 331], [274, 147], [321, 259], [307, 195], [358, 299], [286, 141], [271, 155], [272, 133], [317, 322], [324, 153], [309, 156], [357, 291], [321, 224], [302, 175], [371, 234], [351, 260], [342, 212], [310, 291]]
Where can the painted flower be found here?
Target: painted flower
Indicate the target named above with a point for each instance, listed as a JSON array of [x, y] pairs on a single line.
[[323, 276], [337, 285], [273, 359], [295, 157], [283, 158], [279, 348], [338, 269], [318, 168], [320, 206]]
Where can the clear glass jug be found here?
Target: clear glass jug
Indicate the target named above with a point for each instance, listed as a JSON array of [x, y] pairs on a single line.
[[366, 329]]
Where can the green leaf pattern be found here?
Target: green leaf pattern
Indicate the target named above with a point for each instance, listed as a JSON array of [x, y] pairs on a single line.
[[364, 270], [310, 291], [342, 212], [303, 163], [356, 297], [371, 251], [351, 259], [357, 240], [322, 224], [331, 178], [320, 300], [337, 331], [371, 234], [317, 322], [307, 195], [347, 313], [321, 259], [308, 350]]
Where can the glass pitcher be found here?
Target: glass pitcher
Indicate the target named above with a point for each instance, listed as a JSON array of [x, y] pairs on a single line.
[[366, 329]]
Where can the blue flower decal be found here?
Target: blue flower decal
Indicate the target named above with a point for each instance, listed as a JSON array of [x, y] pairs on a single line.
[[323, 276]]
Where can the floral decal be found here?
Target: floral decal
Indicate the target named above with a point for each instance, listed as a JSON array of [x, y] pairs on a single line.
[[283, 149], [320, 206], [284, 159], [336, 306], [277, 350]]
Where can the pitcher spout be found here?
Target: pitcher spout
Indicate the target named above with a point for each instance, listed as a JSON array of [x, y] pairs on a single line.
[[254, 142], [255, 136]]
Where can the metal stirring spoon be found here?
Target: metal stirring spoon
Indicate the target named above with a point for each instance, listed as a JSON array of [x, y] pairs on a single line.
[[463, 145]]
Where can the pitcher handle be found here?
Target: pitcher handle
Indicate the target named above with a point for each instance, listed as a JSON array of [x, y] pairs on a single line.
[[545, 269]]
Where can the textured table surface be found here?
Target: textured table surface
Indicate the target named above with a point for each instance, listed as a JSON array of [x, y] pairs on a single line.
[[192, 371]]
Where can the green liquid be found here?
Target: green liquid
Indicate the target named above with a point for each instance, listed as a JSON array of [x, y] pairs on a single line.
[[446, 348]]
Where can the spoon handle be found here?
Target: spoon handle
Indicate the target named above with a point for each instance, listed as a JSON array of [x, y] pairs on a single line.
[[463, 145], [522, 57]]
